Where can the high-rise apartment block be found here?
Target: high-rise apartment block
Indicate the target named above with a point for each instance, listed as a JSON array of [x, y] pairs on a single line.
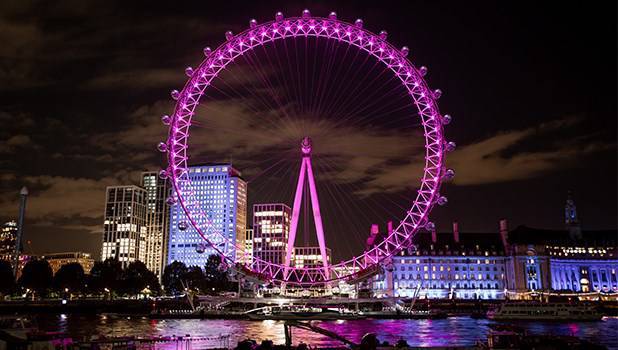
[[222, 194], [8, 235], [157, 222], [125, 224], [271, 229]]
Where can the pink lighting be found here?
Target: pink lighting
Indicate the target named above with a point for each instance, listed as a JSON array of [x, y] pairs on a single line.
[[395, 60], [306, 147]]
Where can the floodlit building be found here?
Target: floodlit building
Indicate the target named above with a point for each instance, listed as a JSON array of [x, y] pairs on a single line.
[[222, 194], [309, 257], [247, 255], [8, 235], [157, 222], [447, 265], [124, 227], [56, 260], [271, 229]]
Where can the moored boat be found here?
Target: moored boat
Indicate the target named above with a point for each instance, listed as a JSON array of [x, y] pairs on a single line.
[[545, 311]]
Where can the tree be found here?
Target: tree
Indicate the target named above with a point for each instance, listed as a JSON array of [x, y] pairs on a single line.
[[173, 274], [105, 276], [37, 276], [194, 279], [136, 277], [7, 279], [70, 276], [216, 277]]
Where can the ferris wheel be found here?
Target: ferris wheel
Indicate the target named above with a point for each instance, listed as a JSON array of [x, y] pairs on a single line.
[[418, 96]]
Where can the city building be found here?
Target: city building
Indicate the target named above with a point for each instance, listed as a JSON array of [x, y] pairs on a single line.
[[247, 256], [157, 222], [222, 194], [56, 260], [124, 227], [573, 259], [446, 265], [309, 257], [271, 229], [8, 234]]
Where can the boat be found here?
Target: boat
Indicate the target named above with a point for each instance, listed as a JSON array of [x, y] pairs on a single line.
[[545, 311], [18, 332], [304, 313]]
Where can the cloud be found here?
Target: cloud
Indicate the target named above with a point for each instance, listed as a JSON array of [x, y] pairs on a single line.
[[508, 156]]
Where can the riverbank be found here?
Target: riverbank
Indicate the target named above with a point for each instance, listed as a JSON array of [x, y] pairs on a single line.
[[232, 309]]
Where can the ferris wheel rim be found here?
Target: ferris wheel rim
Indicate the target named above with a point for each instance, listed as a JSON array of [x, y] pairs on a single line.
[[376, 45]]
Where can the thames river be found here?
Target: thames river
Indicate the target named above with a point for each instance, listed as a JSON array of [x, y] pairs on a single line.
[[454, 331]]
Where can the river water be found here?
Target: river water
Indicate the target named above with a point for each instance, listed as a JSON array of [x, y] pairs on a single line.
[[454, 331]]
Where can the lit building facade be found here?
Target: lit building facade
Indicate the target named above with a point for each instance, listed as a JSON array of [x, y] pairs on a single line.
[[157, 222], [271, 229], [247, 256], [124, 227], [8, 235], [56, 260], [447, 265], [222, 194], [309, 257], [572, 259]]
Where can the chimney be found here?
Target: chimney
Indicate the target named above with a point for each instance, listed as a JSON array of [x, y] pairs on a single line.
[[456, 231], [504, 232], [373, 233], [389, 227], [434, 235]]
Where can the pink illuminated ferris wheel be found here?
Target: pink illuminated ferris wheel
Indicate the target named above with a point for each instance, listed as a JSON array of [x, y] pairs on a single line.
[[417, 94]]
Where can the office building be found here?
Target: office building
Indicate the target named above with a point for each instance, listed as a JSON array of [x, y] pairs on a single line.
[[157, 222], [124, 228], [271, 230], [309, 257], [222, 194], [8, 235]]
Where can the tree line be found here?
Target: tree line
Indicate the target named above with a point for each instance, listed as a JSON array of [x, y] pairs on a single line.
[[107, 278]]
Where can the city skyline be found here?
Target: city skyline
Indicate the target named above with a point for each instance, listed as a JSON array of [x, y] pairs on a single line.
[[530, 153]]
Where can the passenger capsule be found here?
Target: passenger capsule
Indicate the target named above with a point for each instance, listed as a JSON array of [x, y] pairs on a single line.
[[163, 174], [404, 51], [252, 23], [229, 35], [166, 120], [332, 15], [171, 200], [358, 23], [189, 71], [383, 34], [306, 13], [449, 174], [442, 201], [437, 93], [162, 147], [279, 16], [175, 94], [451, 146], [423, 71], [430, 226], [446, 119], [207, 51], [183, 225]]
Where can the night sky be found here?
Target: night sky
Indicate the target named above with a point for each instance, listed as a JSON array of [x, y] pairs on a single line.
[[531, 87]]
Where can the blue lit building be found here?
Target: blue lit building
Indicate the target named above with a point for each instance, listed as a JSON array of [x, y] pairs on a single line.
[[223, 195], [569, 260], [447, 265]]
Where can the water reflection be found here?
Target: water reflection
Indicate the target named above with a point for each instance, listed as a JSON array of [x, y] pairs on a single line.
[[455, 331]]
